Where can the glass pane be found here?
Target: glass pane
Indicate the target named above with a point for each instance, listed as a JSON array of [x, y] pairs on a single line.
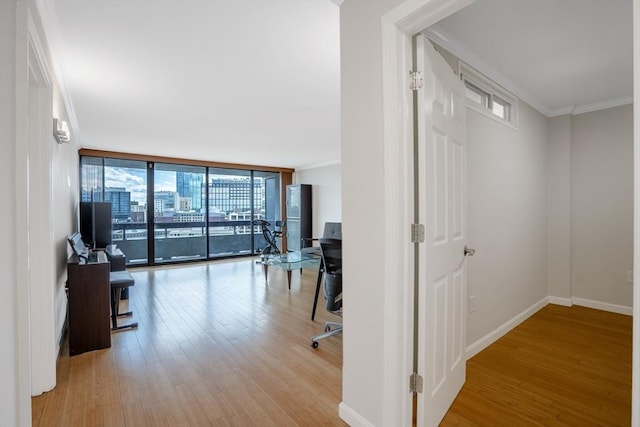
[[230, 212], [91, 177], [125, 183], [500, 108], [179, 212], [476, 94], [266, 196]]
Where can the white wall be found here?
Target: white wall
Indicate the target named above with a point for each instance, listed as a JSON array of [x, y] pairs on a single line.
[[559, 208], [363, 215], [326, 193], [602, 205], [507, 211], [65, 210], [15, 406], [34, 306]]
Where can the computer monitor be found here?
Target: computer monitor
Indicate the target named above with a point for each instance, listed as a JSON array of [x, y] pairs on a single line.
[[96, 224]]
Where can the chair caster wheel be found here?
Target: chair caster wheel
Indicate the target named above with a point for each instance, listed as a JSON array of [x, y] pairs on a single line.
[[314, 344]]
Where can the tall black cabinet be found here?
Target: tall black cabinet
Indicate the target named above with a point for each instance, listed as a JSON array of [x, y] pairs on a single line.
[[299, 215]]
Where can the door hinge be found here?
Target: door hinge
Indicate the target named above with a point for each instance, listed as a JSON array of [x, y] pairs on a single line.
[[417, 233], [415, 80], [415, 383]]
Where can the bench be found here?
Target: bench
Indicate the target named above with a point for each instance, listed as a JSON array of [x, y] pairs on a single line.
[[119, 280]]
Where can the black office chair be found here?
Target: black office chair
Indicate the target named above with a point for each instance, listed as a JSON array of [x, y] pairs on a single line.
[[331, 251], [332, 230]]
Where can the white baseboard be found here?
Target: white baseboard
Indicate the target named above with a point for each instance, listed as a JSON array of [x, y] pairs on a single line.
[[354, 419], [502, 330], [351, 417], [614, 308], [567, 302], [598, 305]]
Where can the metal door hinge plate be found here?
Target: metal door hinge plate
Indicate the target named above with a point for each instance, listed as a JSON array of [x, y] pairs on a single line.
[[415, 383], [416, 80], [417, 233]]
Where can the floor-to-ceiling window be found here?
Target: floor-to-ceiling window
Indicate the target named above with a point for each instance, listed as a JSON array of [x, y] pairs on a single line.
[[230, 212], [123, 183], [179, 212], [266, 196], [169, 212]]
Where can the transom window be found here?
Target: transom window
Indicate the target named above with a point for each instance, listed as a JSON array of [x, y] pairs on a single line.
[[487, 97]]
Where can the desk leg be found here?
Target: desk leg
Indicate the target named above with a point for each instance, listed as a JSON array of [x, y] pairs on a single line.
[[318, 284], [289, 278]]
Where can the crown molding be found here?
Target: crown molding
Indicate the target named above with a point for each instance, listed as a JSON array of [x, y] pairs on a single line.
[[49, 18], [318, 165], [448, 42], [611, 103]]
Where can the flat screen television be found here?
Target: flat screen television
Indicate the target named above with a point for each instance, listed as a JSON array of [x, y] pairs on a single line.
[[95, 224]]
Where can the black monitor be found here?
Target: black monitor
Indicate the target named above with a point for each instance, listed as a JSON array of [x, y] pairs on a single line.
[[95, 224]]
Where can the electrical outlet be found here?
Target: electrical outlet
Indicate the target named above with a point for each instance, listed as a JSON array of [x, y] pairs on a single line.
[[472, 303], [629, 276]]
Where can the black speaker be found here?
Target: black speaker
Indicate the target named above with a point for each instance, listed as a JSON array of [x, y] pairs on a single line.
[[95, 224]]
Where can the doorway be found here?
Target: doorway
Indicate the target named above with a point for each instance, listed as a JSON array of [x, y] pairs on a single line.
[[398, 26]]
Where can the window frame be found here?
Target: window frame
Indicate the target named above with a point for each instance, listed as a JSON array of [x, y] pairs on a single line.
[[491, 93]]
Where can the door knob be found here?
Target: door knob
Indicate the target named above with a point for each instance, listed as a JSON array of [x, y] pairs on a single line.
[[469, 251]]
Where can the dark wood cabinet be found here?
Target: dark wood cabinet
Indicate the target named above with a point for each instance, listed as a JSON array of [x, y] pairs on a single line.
[[89, 294], [299, 215]]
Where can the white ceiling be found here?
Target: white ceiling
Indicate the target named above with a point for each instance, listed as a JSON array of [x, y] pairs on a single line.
[[258, 81], [251, 82], [560, 56]]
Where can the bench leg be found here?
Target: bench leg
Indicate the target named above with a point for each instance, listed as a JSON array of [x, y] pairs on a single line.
[[115, 303]]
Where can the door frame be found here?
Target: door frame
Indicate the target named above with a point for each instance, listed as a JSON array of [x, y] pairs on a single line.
[[37, 349], [398, 26]]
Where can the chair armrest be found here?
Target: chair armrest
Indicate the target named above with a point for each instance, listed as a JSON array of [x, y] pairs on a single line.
[[307, 242]]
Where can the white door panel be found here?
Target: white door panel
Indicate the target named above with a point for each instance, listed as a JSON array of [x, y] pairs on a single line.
[[441, 205]]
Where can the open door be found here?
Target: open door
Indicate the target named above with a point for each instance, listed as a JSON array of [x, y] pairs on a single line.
[[441, 194]]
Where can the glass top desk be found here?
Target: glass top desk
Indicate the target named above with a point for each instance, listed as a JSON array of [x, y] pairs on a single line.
[[290, 261]]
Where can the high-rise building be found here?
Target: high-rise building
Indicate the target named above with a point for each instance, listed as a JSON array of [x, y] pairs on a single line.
[[232, 194], [138, 212], [165, 201], [120, 200], [190, 185]]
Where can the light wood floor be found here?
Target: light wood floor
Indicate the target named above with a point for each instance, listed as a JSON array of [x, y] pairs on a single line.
[[214, 346], [561, 367]]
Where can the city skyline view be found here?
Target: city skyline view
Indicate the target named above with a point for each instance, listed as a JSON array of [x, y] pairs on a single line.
[[192, 212], [135, 181]]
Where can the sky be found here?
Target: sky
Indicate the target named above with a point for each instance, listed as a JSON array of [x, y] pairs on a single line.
[[135, 181]]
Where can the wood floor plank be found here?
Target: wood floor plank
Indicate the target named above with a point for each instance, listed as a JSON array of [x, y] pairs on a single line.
[[565, 366], [218, 346]]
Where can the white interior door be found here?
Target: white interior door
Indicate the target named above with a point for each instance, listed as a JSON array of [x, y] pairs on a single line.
[[442, 210]]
